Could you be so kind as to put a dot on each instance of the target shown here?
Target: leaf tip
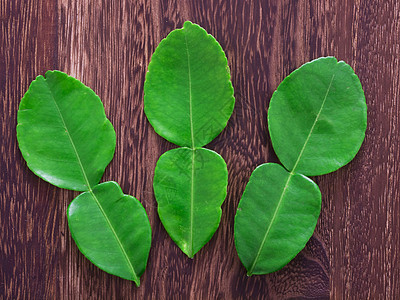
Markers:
(189, 252)
(137, 282)
(187, 23)
(50, 73)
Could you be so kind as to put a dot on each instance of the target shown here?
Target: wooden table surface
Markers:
(355, 250)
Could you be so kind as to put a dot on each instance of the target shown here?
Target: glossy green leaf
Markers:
(63, 132)
(188, 95)
(67, 140)
(275, 218)
(317, 121)
(317, 117)
(112, 230)
(188, 99)
(190, 187)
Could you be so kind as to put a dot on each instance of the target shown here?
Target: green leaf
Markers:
(317, 120)
(190, 187)
(188, 100)
(67, 140)
(63, 132)
(275, 218)
(112, 230)
(188, 95)
(317, 117)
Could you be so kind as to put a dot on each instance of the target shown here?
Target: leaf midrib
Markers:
(70, 138)
(190, 91)
(135, 277)
(313, 126)
(250, 271)
(190, 254)
(191, 206)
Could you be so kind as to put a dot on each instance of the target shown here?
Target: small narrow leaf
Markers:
(63, 132)
(190, 187)
(188, 95)
(275, 218)
(112, 230)
(317, 117)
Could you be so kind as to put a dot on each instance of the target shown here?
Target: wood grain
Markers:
(355, 251)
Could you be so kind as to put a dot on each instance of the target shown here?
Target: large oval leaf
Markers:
(63, 132)
(112, 230)
(275, 218)
(317, 117)
(188, 95)
(190, 187)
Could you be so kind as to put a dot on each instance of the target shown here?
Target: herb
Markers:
(67, 140)
(188, 100)
(317, 120)
(112, 230)
(63, 132)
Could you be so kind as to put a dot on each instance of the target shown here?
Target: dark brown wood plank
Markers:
(363, 197)
(355, 250)
(29, 213)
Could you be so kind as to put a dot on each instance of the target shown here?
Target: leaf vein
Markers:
(313, 126)
(192, 205)
(90, 188)
(135, 277)
(70, 138)
(193, 149)
(190, 91)
(269, 226)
